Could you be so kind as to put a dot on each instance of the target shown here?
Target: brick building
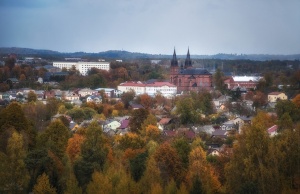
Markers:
(187, 78)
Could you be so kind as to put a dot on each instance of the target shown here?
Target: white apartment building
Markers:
(83, 67)
(166, 89)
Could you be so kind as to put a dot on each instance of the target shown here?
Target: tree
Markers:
(151, 177)
(254, 166)
(169, 163)
(74, 146)
(13, 115)
(127, 97)
(130, 140)
(152, 132)
(72, 185)
(218, 79)
(296, 101)
(145, 100)
(99, 184)
(15, 174)
(93, 155)
(183, 149)
(138, 116)
(138, 166)
(43, 186)
(32, 97)
(55, 138)
(201, 174)
(186, 110)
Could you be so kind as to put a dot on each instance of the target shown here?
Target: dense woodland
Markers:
(41, 155)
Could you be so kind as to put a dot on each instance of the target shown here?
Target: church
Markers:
(187, 78)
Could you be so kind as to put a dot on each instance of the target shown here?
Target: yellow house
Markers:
(274, 96)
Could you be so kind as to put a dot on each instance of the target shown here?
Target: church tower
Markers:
(174, 68)
(188, 62)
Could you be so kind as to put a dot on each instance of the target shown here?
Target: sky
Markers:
(206, 27)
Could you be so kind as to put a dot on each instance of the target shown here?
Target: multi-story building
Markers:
(83, 67)
(247, 82)
(187, 78)
(166, 89)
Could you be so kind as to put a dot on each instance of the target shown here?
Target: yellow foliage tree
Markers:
(200, 168)
(74, 146)
(43, 186)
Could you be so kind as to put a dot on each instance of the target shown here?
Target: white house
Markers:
(86, 92)
(83, 67)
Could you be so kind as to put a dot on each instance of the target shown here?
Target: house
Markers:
(275, 96)
(93, 98)
(163, 122)
(213, 152)
(219, 134)
(228, 125)
(272, 131)
(73, 126)
(220, 102)
(124, 127)
(70, 96)
(111, 125)
(135, 106)
(86, 92)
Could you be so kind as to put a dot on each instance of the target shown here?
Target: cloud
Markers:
(206, 26)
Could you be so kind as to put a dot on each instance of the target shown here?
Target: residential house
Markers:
(86, 92)
(70, 96)
(93, 98)
(163, 123)
(272, 131)
(73, 126)
(124, 127)
(220, 102)
(275, 96)
(219, 134)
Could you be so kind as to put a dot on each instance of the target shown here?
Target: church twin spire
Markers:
(187, 63)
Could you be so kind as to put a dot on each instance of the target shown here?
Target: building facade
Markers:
(247, 82)
(165, 89)
(83, 67)
(187, 78)
(275, 96)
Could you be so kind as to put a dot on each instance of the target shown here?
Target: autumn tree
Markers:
(152, 132)
(93, 155)
(151, 177)
(253, 167)
(130, 140)
(145, 100)
(138, 116)
(138, 165)
(186, 110)
(32, 97)
(183, 149)
(296, 101)
(169, 163)
(14, 174)
(200, 174)
(218, 79)
(127, 97)
(55, 138)
(74, 146)
(43, 185)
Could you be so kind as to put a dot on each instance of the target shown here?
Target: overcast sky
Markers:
(153, 26)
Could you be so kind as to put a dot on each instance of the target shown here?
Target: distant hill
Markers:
(117, 54)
